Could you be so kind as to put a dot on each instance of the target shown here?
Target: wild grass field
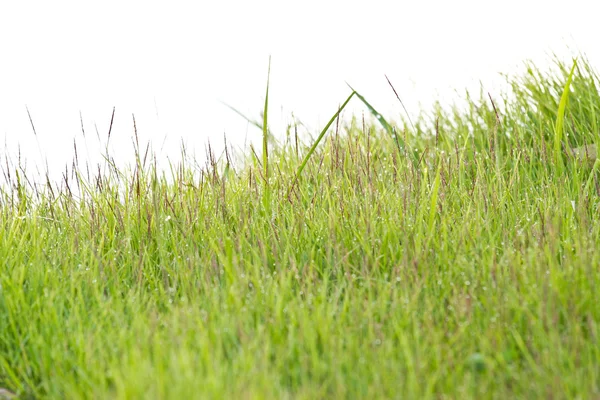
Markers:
(454, 257)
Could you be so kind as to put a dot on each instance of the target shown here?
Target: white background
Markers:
(171, 63)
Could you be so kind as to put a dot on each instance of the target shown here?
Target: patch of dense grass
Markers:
(458, 259)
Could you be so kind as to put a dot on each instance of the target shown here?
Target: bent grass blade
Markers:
(375, 113)
(383, 122)
(316, 143)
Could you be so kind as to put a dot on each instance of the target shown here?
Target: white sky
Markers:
(170, 63)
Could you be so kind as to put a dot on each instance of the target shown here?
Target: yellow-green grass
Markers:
(453, 258)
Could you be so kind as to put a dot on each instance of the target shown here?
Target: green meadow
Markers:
(453, 256)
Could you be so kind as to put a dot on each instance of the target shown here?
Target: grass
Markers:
(453, 258)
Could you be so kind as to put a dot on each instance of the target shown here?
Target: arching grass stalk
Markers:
(373, 111)
(560, 119)
(384, 123)
(376, 113)
(316, 143)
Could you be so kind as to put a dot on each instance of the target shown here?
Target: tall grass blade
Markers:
(265, 126)
(560, 118)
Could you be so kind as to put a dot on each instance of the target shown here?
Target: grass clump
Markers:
(455, 259)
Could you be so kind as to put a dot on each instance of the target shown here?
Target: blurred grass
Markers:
(464, 268)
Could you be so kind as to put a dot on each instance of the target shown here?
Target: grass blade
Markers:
(316, 143)
(264, 126)
(376, 113)
(595, 168)
(382, 121)
(560, 118)
(238, 112)
(434, 199)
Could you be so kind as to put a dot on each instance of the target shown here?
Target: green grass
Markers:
(453, 258)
